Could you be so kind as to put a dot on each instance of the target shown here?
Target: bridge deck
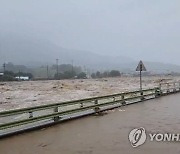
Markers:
(104, 134)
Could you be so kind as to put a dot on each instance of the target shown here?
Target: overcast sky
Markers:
(140, 29)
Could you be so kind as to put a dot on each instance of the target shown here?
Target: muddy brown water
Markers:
(106, 134)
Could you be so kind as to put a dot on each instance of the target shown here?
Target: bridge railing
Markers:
(168, 87)
(18, 119)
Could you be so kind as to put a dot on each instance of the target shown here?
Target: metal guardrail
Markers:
(19, 119)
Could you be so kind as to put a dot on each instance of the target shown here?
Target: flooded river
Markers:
(107, 134)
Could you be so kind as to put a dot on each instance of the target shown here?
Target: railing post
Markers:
(158, 92)
(57, 117)
(160, 89)
(160, 86)
(168, 91)
(174, 89)
(142, 96)
(30, 114)
(96, 109)
(82, 105)
(122, 99)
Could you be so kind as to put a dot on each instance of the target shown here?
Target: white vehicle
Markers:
(25, 78)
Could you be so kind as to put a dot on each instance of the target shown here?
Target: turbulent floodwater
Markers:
(30, 93)
(106, 134)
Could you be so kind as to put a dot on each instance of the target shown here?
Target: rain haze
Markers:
(128, 30)
(113, 65)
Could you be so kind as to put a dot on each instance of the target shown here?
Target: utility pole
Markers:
(47, 72)
(4, 66)
(72, 67)
(19, 74)
(57, 65)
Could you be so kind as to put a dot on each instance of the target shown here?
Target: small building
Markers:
(24, 78)
(1, 74)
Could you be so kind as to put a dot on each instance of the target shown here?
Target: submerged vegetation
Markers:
(13, 72)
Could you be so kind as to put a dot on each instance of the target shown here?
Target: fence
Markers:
(28, 118)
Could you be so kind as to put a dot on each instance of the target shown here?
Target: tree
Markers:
(93, 75)
(82, 75)
(8, 76)
(9, 73)
(114, 73)
(98, 74)
(105, 74)
(65, 75)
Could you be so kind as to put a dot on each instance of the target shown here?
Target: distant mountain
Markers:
(30, 51)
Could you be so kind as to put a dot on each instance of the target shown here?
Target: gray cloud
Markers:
(139, 29)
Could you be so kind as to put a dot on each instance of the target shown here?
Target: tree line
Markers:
(63, 71)
(11, 76)
(112, 73)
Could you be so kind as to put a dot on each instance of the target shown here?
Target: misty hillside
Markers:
(35, 52)
(32, 51)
